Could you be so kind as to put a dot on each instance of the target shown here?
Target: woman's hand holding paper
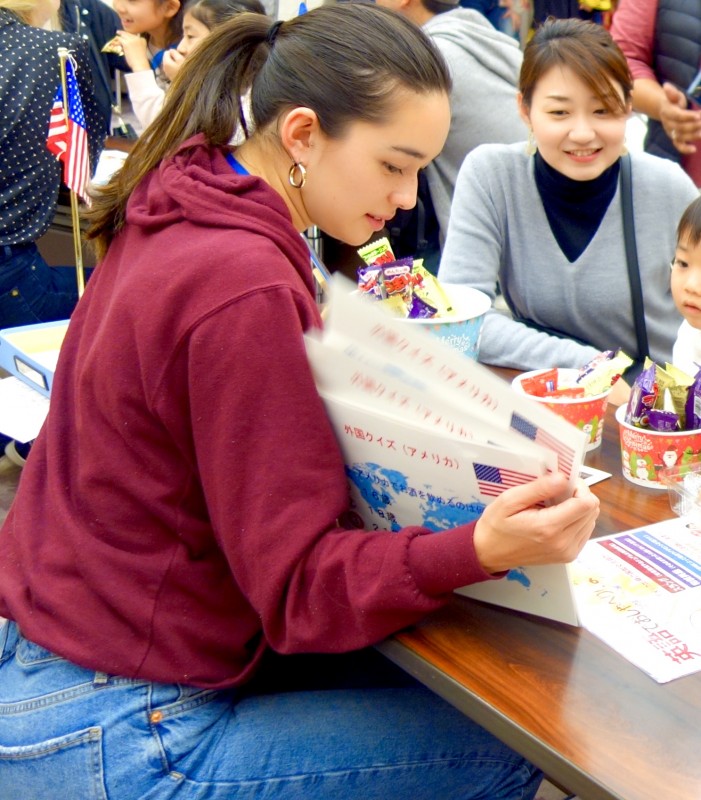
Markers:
(515, 530)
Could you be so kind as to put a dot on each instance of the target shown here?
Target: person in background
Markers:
(686, 290)
(662, 41)
(146, 591)
(149, 29)
(96, 23)
(30, 290)
(199, 18)
(544, 221)
(484, 66)
(518, 19)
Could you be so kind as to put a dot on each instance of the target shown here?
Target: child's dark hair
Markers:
(689, 227)
(588, 50)
(347, 62)
(213, 12)
(175, 26)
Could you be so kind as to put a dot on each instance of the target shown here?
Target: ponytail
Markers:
(205, 97)
(346, 62)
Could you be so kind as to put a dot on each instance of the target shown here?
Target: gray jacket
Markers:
(484, 65)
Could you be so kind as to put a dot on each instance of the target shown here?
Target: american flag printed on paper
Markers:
(68, 140)
(492, 481)
(565, 454)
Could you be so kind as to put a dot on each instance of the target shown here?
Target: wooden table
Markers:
(588, 718)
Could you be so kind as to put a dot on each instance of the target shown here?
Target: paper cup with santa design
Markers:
(645, 453)
(585, 413)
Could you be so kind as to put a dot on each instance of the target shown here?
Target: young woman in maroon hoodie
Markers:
(176, 522)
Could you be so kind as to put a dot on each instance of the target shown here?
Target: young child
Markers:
(199, 18)
(146, 90)
(149, 29)
(686, 289)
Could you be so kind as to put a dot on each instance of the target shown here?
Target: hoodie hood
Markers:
(197, 185)
(472, 32)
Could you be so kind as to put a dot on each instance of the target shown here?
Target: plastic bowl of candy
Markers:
(683, 483)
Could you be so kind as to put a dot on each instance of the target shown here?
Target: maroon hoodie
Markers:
(177, 513)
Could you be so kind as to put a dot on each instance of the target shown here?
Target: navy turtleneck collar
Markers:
(574, 208)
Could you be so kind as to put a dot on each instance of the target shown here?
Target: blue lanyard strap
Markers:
(237, 166)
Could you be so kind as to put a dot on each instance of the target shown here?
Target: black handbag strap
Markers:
(636, 289)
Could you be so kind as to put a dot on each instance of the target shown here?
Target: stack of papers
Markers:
(430, 437)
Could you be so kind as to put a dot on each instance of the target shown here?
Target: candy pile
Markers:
(665, 399)
(593, 378)
(403, 285)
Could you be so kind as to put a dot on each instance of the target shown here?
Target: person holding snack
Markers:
(544, 221)
(150, 29)
(147, 591)
(686, 290)
(96, 22)
(199, 17)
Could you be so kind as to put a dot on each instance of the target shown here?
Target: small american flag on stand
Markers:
(68, 138)
(492, 481)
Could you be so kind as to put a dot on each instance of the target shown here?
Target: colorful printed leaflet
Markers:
(640, 592)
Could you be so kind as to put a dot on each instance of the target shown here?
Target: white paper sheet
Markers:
(640, 592)
(22, 410)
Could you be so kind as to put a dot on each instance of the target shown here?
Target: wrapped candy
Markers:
(665, 399)
(404, 285)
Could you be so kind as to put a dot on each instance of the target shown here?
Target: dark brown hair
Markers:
(345, 62)
(588, 50)
(213, 12)
(175, 25)
(689, 226)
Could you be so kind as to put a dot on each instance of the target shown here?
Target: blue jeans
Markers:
(32, 291)
(71, 733)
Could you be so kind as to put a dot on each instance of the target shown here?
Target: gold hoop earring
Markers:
(531, 145)
(297, 176)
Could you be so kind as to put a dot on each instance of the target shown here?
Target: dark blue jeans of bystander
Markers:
(32, 291)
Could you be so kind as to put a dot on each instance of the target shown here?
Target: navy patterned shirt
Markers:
(30, 175)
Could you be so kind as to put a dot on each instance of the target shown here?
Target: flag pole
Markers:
(75, 218)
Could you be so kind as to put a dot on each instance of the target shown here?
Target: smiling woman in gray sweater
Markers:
(546, 228)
